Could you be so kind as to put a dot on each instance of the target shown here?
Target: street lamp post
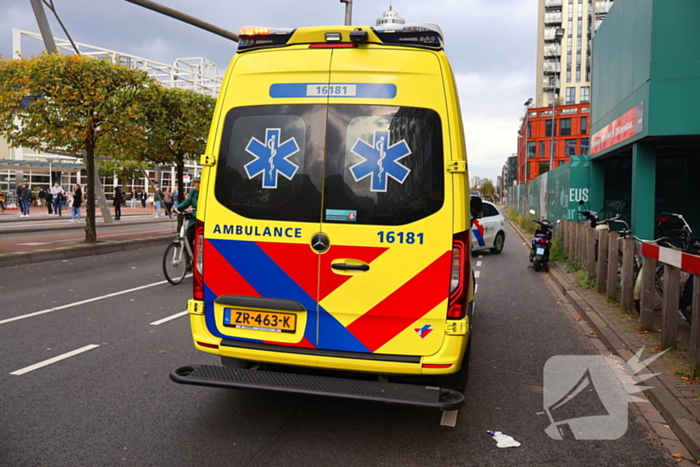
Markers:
(558, 35)
(348, 11)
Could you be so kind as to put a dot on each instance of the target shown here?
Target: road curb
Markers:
(71, 252)
(678, 418)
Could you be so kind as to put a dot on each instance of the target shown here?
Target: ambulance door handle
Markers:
(350, 267)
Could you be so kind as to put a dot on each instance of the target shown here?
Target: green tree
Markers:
(487, 188)
(176, 129)
(69, 103)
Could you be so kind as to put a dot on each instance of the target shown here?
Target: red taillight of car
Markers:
(459, 276)
(198, 271)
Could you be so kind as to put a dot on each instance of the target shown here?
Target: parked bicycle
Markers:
(177, 260)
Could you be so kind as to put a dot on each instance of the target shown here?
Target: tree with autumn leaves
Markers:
(88, 106)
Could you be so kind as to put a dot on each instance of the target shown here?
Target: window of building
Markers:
(571, 110)
(570, 29)
(578, 76)
(544, 167)
(542, 147)
(570, 95)
(548, 128)
(531, 148)
(580, 10)
(568, 76)
(585, 109)
(529, 129)
(565, 127)
(585, 94)
(570, 147)
(584, 146)
(584, 125)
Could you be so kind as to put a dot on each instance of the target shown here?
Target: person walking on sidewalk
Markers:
(144, 197)
(77, 201)
(2, 201)
(132, 201)
(25, 198)
(168, 201)
(157, 199)
(49, 202)
(42, 197)
(58, 193)
(19, 202)
(118, 203)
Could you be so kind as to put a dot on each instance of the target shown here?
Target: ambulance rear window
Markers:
(384, 165)
(271, 162)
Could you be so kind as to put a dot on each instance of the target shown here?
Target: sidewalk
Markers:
(673, 391)
(43, 237)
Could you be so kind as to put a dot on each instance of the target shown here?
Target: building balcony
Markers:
(551, 18)
(602, 6)
(553, 3)
(552, 51)
(550, 85)
(551, 67)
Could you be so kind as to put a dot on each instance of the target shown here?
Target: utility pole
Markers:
(348, 11)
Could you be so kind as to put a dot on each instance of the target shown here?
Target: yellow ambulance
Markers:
(332, 249)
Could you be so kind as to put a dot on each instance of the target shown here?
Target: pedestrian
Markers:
(117, 203)
(168, 201)
(19, 192)
(132, 201)
(2, 201)
(191, 202)
(176, 195)
(144, 197)
(42, 196)
(25, 198)
(157, 199)
(49, 202)
(77, 201)
(58, 194)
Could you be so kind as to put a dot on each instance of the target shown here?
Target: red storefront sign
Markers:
(631, 123)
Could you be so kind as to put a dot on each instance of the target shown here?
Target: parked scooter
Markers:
(541, 244)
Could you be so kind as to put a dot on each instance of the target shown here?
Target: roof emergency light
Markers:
(257, 36)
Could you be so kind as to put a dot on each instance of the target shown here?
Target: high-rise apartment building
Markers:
(564, 32)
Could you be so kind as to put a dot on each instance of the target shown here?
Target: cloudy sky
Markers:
(491, 45)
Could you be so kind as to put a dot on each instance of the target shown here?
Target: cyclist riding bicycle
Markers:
(191, 201)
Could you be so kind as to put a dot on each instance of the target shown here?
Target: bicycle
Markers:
(177, 260)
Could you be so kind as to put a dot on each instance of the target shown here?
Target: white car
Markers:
(489, 231)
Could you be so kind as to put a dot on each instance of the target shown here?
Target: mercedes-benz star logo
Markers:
(320, 242)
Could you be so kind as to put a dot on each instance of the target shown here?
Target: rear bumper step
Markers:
(395, 393)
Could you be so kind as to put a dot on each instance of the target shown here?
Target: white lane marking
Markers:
(89, 300)
(34, 243)
(449, 418)
(478, 264)
(476, 287)
(165, 320)
(54, 359)
(481, 256)
(125, 234)
(476, 274)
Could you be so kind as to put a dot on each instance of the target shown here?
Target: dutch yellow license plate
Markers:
(260, 320)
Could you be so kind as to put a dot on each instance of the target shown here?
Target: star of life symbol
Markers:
(271, 158)
(587, 396)
(380, 161)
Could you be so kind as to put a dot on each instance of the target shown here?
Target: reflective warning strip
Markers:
(405, 306)
(677, 258)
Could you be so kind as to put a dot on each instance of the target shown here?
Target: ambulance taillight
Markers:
(459, 277)
(198, 273)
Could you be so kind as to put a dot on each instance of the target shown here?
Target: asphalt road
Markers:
(113, 403)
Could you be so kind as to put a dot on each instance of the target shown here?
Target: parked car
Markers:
(489, 230)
